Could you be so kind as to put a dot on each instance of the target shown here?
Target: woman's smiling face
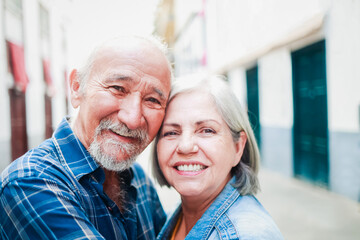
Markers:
(196, 150)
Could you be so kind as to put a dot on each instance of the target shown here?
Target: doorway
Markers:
(310, 131)
(252, 83)
(19, 142)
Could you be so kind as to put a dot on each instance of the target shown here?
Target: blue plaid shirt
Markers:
(55, 192)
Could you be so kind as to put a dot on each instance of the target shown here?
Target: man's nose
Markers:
(187, 144)
(130, 112)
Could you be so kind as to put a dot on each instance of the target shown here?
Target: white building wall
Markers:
(35, 102)
(58, 59)
(243, 31)
(343, 65)
(239, 28)
(275, 88)
(240, 34)
(237, 80)
(276, 110)
(343, 69)
(5, 129)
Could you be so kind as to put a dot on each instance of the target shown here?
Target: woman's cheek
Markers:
(165, 149)
(161, 152)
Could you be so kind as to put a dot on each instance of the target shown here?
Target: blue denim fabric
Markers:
(230, 216)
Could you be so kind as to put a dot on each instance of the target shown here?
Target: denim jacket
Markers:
(230, 216)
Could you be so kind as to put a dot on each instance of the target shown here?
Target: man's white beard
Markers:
(110, 161)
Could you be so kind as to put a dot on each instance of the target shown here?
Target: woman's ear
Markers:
(239, 147)
(75, 91)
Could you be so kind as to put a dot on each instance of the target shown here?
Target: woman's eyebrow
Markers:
(206, 121)
(171, 124)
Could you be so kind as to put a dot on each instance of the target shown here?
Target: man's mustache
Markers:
(121, 129)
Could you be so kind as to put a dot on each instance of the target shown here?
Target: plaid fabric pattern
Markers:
(55, 192)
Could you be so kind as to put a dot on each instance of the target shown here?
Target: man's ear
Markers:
(75, 89)
(239, 147)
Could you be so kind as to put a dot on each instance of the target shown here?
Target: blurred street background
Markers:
(304, 211)
(294, 65)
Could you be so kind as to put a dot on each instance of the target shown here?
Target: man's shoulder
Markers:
(35, 162)
(138, 171)
(141, 180)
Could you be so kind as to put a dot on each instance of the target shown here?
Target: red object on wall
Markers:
(17, 65)
(47, 75)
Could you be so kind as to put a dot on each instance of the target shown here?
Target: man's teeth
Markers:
(190, 168)
(122, 133)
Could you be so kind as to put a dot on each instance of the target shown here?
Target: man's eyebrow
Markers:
(161, 94)
(117, 77)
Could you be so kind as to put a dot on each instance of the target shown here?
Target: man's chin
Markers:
(114, 156)
(116, 164)
(110, 160)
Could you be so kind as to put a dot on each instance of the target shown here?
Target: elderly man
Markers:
(83, 182)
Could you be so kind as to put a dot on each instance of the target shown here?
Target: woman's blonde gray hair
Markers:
(237, 120)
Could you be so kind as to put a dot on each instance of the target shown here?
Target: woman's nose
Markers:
(187, 145)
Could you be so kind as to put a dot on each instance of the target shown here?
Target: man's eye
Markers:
(118, 88)
(153, 100)
(153, 103)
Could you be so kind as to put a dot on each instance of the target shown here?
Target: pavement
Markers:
(307, 212)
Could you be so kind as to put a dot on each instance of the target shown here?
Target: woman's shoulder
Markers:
(171, 221)
(251, 219)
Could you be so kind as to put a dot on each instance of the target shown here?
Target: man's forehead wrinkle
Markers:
(116, 62)
(126, 67)
(96, 76)
(112, 76)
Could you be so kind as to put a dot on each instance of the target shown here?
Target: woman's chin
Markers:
(189, 191)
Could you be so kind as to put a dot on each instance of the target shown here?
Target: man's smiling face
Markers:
(123, 102)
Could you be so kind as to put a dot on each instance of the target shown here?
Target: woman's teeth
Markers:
(190, 167)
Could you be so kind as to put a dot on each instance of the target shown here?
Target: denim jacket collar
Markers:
(208, 220)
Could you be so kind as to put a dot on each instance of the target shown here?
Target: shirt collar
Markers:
(72, 152)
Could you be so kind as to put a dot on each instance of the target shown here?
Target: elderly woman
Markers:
(206, 150)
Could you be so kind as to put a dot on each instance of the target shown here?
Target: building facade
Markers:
(295, 65)
(33, 71)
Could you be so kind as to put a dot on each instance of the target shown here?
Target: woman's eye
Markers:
(169, 133)
(207, 130)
